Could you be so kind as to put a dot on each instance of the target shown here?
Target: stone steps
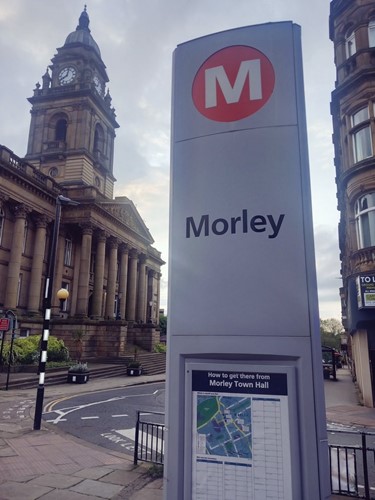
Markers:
(152, 363)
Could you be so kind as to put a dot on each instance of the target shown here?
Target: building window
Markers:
(98, 139)
(53, 172)
(19, 286)
(60, 131)
(361, 133)
(365, 220)
(25, 231)
(92, 266)
(371, 33)
(65, 303)
(2, 222)
(350, 47)
(24, 333)
(68, 251)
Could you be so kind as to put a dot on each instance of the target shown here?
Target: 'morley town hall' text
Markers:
(204, 226)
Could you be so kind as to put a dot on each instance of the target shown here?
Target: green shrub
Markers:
(156, 471)
(57, 350)
(160, 347)
(26, 350)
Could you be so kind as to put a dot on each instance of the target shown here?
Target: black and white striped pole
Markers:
(60, 200)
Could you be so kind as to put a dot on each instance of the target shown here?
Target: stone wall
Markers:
(99, 339)
(145, 336)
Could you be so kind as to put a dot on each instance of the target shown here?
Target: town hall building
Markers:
(105, 256)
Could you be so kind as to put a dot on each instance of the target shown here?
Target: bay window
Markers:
(361, 133)
(365, 220)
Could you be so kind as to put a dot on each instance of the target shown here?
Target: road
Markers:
(106, 418)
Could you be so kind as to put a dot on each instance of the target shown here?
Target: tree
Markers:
(330, 330)
(163, 324)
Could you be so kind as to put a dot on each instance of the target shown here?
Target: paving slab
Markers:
(97, 488)
(67, 495)
(148, 493)
(94, 472)
(59, 481)
(22, 491)
(121, 477)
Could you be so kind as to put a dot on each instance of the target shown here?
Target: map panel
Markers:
(224, 426)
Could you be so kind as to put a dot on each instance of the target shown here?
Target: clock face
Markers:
(98, 85)
(67, 75)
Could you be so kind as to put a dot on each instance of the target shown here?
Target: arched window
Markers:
(99, 139)
(60, 130)
(371, 33)
(365, 220)
(350, 46)
(2, 222)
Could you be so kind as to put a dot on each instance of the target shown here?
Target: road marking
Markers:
(153, 443)
(88, 418)
(128, 433)
(116, 416)
(114, 438)
(70, 409)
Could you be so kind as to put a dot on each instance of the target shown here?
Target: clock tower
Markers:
(73, 123)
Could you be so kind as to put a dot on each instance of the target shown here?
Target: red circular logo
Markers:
(233, 83)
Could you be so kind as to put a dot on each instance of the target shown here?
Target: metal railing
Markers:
(149, 439)
(352, 466)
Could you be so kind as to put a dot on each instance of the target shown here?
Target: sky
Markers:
(137, 39)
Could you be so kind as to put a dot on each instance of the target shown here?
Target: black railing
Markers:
(149, 438)
(352, 466)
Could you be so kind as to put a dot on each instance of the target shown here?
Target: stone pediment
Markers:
(125, 211)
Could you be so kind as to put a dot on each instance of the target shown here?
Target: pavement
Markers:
(51, 465)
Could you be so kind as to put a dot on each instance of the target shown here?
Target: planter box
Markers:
(134, 372)
(78, 378)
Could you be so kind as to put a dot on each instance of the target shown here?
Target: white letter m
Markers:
(233, 94)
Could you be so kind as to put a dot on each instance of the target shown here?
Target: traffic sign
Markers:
(4, 324)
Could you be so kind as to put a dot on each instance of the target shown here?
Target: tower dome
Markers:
(82, 34)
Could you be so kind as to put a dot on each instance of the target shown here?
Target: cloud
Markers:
(328, 271)
(137, 40)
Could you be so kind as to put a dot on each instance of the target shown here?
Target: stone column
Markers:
(141, 301)
(132, 285)
(150, 296)
(158, 278)
(84, 272)
(111, 281)
(37, 265)
(97, 299)
(123, 279)
(14, 265)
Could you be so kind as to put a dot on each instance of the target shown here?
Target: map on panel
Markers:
(224, 426)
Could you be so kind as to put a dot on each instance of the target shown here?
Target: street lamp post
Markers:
(60, 200)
